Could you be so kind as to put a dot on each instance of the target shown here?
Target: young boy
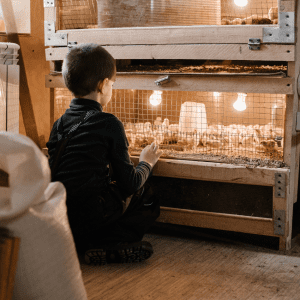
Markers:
(108, 218)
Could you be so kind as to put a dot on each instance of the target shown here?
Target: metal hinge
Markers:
(254, 44)
(49, 3)
(279, 222)
(163, 80)
(280, 185)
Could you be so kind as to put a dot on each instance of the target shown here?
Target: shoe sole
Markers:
(129, 254)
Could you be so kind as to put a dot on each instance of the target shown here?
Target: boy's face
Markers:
(106, 94)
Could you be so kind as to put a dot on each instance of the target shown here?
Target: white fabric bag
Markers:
(35, 210)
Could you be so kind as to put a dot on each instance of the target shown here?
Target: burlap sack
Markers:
(35, 210)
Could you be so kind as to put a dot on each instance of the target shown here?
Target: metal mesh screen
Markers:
(198, 125)
(77, 14)
(82, 14)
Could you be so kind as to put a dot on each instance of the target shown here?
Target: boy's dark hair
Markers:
(85, 66)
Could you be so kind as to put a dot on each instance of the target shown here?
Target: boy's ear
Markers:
(101, 85)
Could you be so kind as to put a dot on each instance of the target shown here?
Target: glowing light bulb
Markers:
(155, 98)
(240, 103)
(241, 3)
(217, 94)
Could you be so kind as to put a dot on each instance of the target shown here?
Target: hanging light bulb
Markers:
(155, 98)
(241, 3)
(240, 103)
(216, 94)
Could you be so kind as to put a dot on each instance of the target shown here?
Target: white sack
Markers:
(35, 210)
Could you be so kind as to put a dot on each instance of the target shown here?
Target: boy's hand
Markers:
(150, 154)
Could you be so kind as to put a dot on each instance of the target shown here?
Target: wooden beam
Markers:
(253, 225)
(205, 34)
(219, 172)
(204, 83)
(296, 73)
(291, 195)
(200, 51)
(34, 96)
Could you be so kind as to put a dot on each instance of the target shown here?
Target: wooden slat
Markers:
(288, 132)
(233, 84)
(226, 34)
(214, 171)
(12, 267)
(296, 74)
(292, 147)
(201, 51)
(253, 225)
(6, 248)
(250, 84)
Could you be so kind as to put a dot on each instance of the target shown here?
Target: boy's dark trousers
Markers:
(97, 219)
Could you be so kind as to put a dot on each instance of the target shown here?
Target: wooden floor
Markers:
(192, 263)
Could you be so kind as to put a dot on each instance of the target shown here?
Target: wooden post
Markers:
(34, 96)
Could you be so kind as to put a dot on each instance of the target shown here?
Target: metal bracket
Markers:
(279, 222)
(56, 39)
(254, 44)
(284, 33)
(70, 44)
(49, 3)
(49, 27)
(279, 185)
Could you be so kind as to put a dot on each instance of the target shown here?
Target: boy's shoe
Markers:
(120, 253)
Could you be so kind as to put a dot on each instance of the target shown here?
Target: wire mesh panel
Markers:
(199, 125)
(82, 14)
(77, 14)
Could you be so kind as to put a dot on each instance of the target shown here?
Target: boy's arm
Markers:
(128, 177)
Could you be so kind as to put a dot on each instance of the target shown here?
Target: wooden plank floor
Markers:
(191, 264)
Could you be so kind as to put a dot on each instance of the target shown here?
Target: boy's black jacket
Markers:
(98, 142)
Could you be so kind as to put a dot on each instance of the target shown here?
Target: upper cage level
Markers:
(74, 14)
(245, 25)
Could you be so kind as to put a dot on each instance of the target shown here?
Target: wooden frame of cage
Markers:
(218, 43)
(193, 37)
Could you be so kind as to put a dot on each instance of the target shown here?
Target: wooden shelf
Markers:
(203, 34)
(233, 84)
(220, 172)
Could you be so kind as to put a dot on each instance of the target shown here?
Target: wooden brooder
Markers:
(276, 42)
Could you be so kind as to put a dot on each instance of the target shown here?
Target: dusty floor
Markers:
(191, 264)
